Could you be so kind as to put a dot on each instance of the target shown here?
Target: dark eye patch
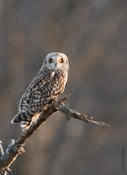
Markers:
(51, 60)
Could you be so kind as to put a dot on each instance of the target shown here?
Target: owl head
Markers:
(56, 60)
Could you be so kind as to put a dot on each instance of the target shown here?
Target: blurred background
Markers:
(93, 35)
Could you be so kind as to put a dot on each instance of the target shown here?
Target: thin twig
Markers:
(84, 117)
(1, 154)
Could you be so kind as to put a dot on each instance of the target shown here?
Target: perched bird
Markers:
(45, 88)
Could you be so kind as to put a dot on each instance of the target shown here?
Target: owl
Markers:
(45, 88)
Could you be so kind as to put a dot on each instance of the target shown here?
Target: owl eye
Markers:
(61, 60)
(51, 60)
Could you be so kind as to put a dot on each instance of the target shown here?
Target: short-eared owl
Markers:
(48, 84)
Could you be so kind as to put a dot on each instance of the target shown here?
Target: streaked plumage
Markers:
(48, 84)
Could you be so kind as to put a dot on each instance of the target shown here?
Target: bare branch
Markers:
(16, 148)
(84, 117)
(1, 154)
(1, 149)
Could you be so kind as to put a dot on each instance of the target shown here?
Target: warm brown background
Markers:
(93, 33)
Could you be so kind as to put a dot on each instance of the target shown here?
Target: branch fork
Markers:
(16, 147)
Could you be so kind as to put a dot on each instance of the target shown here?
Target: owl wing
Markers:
(33, 92)
(48, 91)
(44, 88)
(41, 78)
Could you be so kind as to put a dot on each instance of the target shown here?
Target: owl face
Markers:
(57, 60)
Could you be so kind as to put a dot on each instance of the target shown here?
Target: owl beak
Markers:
(56, 65)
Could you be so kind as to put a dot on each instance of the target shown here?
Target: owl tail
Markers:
(23, 116)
